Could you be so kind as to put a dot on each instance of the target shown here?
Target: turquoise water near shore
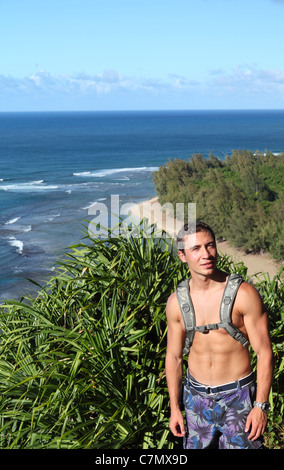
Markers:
(53, 166)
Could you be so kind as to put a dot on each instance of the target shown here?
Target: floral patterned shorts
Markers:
(217, 420)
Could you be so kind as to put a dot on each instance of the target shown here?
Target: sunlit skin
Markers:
(216, 358)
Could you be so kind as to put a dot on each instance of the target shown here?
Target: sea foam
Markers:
(18, 244)
(28, 186)
(12, 221)
(111, 171)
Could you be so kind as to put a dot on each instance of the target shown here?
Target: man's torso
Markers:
(215, 357)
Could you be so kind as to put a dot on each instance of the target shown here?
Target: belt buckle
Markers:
(212, 390)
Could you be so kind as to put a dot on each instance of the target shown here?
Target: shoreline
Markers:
(257, 264)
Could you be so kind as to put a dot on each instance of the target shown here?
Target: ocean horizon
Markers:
(55, 165)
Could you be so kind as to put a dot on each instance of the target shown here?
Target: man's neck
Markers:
(201, 282)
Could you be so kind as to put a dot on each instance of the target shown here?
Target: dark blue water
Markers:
(53, 166)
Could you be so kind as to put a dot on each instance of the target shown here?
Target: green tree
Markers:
(241, 197)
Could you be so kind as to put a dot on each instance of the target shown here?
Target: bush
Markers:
(241, 197)
(82, 364)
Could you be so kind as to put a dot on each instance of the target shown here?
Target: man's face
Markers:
(200, 253)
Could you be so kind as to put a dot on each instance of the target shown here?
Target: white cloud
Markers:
(108, 79)
(47, 83)
(106, 82)
(246, 85)
(181, 81)
(247, 80)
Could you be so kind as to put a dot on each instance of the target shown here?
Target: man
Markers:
(222, 406)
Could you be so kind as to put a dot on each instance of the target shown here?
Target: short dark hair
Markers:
(190, 228)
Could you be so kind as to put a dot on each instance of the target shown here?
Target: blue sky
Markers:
(134, 54)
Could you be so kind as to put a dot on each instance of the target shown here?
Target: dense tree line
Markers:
(241, 196)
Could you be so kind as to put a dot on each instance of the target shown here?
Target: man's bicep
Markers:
(175, 333)
(258, 333)
(256, 320)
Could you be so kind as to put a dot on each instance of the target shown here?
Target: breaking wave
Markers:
(112, 171)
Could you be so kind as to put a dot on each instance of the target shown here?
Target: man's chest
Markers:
(207, 308)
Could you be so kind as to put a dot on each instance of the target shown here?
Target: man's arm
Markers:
(256, 323)
(175, 340)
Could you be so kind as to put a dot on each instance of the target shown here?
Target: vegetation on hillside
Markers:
(82, 364)
(241, 197)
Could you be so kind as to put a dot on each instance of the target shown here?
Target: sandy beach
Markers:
(257, 264)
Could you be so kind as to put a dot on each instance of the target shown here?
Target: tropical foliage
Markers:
(82, 363)
(241, 197)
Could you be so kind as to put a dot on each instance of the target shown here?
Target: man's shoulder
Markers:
(172, 299)
(172, 307)
(247, 297)
(246, 288)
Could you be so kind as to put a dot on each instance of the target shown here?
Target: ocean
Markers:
(54, 166)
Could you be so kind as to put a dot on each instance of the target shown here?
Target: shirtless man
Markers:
(230, 416)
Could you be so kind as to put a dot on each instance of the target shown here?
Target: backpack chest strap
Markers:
(205, 328)
(228, 326)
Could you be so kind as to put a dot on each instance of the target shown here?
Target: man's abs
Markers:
(217, 360)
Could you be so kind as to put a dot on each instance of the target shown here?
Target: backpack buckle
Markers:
(185, 308)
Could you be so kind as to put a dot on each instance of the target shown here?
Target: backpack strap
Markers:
(187, 311)
(229, 294)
